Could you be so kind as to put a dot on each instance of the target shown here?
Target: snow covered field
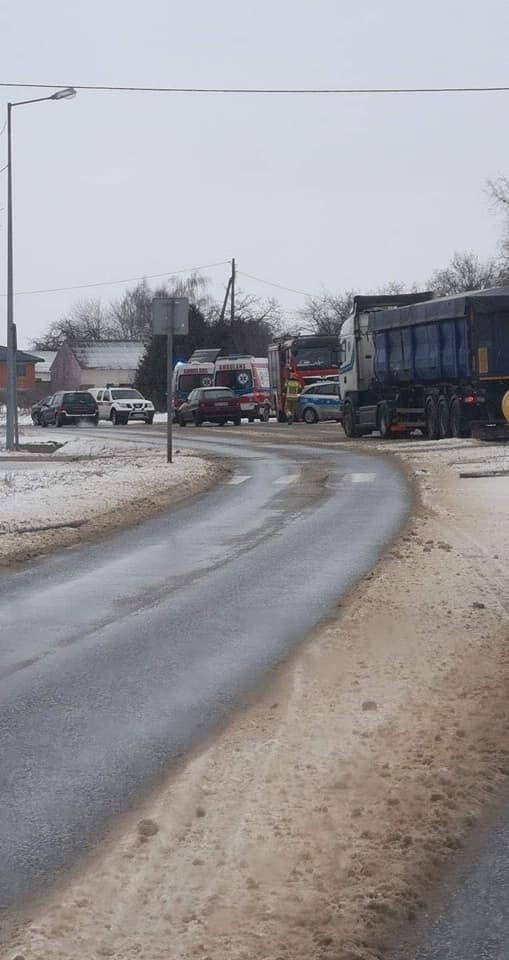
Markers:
(47, 498)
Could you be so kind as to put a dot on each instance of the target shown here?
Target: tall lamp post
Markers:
(12, 408)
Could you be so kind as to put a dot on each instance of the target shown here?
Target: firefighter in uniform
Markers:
(292, 391)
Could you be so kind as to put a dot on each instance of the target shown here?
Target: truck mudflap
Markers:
(497, 430)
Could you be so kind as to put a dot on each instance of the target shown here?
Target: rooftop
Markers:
(21, 357)
(108, 354)
(46, 359)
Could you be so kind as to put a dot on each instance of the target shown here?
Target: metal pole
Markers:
(232, 302)
(11, 345)
(15, 347)
(169, 391)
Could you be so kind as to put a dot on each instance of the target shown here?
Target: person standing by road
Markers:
(293, 389)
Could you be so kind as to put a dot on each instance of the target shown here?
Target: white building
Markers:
(83, 364)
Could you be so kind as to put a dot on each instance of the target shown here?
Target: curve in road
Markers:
(117, 657)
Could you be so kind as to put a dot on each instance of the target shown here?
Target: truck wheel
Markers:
(458, 426)
(431, 417)
(444, 425)
(349, 424)
(384, 421)
(309, 415)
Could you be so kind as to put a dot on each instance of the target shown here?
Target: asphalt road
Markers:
(117, 657)
(469, 916)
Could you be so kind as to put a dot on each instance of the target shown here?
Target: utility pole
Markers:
(11, 348)
(225, 301)
(232, 301)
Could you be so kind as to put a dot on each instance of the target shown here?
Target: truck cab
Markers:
(356, 367)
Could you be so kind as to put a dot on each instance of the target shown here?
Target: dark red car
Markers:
(215, 404)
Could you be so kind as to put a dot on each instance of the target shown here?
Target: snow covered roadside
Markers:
(86, 488)
(314, 826)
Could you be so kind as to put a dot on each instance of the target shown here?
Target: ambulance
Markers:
(198, 371)
(248, 377)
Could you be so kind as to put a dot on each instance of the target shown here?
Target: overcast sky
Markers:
(311, 192)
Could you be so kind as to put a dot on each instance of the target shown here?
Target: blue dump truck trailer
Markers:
(440, 365)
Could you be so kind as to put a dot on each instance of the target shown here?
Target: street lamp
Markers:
(12, 407)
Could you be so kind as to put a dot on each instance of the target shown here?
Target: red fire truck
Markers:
(305, 359)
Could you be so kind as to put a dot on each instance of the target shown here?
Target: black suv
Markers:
(68, 407)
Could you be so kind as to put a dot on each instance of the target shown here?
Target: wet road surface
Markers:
(117, 657)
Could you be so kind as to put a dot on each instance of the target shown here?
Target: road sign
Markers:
(170, 315)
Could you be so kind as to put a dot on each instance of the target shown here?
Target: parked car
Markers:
(320, 401)
(35, 411)
(121, 404)
(69, 407)
(215, 404)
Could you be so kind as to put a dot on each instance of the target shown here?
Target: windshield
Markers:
(189, 381)
(126, 395)
(308, 357)
(263, 376)
(217, 394)
(236, 379)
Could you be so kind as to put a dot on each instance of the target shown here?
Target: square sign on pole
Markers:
(170, 316)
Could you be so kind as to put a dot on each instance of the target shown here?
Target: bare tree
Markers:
(86, 320)
(131, 313)
(498, 191)
(327, 314)
(465, 272)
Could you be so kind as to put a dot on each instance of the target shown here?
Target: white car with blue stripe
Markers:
(320, 401)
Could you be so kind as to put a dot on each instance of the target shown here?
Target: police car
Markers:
(320, 401)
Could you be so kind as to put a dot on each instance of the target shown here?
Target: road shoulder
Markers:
(317, 823)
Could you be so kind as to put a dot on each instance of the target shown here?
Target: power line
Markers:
(263, 91)
(111, 283)
(280, 286)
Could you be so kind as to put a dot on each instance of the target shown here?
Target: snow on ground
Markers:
(84, 480)
(313, 827)
(461, 455)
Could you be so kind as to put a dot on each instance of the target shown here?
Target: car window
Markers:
(126, 394)
(193, 394)
(106, 395)
(99, 394)
(218, 394)
(76, 395)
